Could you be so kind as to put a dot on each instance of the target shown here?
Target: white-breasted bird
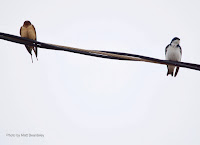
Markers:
(173, 52)
(28, 31)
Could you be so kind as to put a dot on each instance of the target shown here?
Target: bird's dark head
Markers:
(175, 41)
(27, 23)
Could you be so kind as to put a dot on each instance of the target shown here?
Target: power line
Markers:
(97, 53)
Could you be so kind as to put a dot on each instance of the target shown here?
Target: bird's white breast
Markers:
(173, 53)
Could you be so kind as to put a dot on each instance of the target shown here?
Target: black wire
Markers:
(21, 40)
(181, 64)
(30, 42)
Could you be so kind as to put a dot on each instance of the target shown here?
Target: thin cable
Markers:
(96, 53)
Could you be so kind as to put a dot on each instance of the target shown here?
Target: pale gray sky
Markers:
(75, 99)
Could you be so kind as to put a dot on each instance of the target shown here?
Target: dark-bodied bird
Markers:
(173, 52)
(28, 31)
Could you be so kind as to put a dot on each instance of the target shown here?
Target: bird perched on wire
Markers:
(28, 31)
(173, 52)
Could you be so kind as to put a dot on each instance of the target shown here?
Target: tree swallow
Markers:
(28, 31)
(173, 52)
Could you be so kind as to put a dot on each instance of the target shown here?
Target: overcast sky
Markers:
(81, 100)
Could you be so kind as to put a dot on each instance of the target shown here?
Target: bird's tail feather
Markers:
(28, 49)
(177, 69)
(36, 53)
(168, 72)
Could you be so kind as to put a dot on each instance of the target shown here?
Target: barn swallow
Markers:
(173, 52)
(28, 31)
